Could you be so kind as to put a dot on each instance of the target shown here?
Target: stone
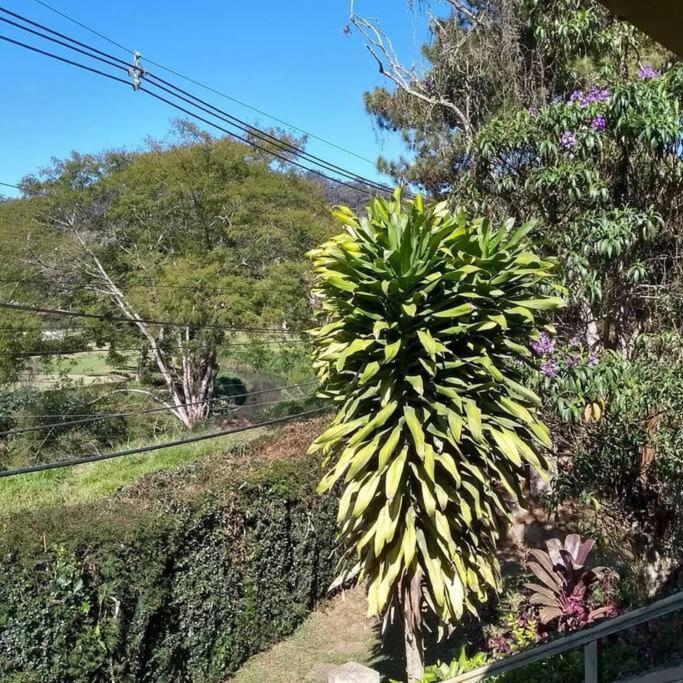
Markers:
(320, 673)
(352, 672)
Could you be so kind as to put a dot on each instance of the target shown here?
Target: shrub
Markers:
(180, 578)
(567, 592)
(426, 320)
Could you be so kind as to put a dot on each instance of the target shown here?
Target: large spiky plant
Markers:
(428, 318)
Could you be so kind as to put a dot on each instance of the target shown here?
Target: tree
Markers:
(427, 317)
(584, 137)
(196, 230)
(484, 58)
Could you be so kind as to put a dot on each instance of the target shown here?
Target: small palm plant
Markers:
(428, 317)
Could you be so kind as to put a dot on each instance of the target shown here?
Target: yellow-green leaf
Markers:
(473, 420)
(415, 429)
(370, 370)
(455, 312)
(389, 446)
(416, 383)
(390, 350)
(428, 342)
(394, 474)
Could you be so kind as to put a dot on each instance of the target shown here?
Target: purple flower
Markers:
(575, 341)
(597, 95)
(593, 359)
(598, 123)
(571, 361)
(568, 139)
(549, 368)
(533, 112)
(594, 96)
(544, 345)
(646, 72)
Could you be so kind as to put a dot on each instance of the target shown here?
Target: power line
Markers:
(233, 396)
(201, 286)
(155, 447)
(115, 62)
(64, 59)
(99, 417)
(197, 116)
(207, 87)
(220, 347)
(147, 321)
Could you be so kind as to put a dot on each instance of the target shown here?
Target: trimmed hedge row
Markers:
(180, 579)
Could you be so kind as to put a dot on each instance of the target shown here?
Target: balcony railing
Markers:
(588, 639)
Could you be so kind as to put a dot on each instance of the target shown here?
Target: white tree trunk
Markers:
(190, 393)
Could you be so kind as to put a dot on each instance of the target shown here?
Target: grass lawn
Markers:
(92, 481)
(91, 362)
(337, 632)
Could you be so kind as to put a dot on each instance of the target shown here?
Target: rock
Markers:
(320, 673)
(352, 672)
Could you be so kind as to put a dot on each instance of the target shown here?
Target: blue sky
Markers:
(290, 59)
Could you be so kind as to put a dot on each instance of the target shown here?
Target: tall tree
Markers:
(201, 231)
(427, 317)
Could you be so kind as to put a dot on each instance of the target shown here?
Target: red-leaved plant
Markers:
(567, 589)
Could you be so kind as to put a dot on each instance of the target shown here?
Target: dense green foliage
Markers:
(198, 231)
(180, 578)
(557, 111)
(427, 317)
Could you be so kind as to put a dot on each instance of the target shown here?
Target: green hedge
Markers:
(180, 579)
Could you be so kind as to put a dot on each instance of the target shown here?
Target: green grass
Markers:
(93, 481)
(88, 362)
(335, 633)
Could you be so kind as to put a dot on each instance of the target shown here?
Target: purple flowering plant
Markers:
(595, 95)
(544, 345)
(550, 367)
(647, 72)
(568, 139)
(598, 123)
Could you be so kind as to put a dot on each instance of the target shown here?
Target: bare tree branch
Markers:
(406, 79)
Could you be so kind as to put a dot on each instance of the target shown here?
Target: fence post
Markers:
(591, 662)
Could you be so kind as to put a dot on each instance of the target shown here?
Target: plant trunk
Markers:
(412, 627)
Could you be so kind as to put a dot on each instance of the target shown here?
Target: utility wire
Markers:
(155, 447)
(245, 127)
(137, 412)
(64, 59)
(48, 354)
(207, 87)
(95, 417)
(193, 115)
(113, 318)
(200, 286)
(104, 417)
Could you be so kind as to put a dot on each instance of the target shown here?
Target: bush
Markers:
(180, 578)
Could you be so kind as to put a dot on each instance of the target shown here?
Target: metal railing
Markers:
(587, 639)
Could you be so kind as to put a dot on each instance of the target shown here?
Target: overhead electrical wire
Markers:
(207, 87)
(97, 457)
(231, 408)
(99, 417)
(200, 286)
(135, 409)
(233, 396)
(243, 126)
(115, 62)
(139, 349)
(161, 323)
